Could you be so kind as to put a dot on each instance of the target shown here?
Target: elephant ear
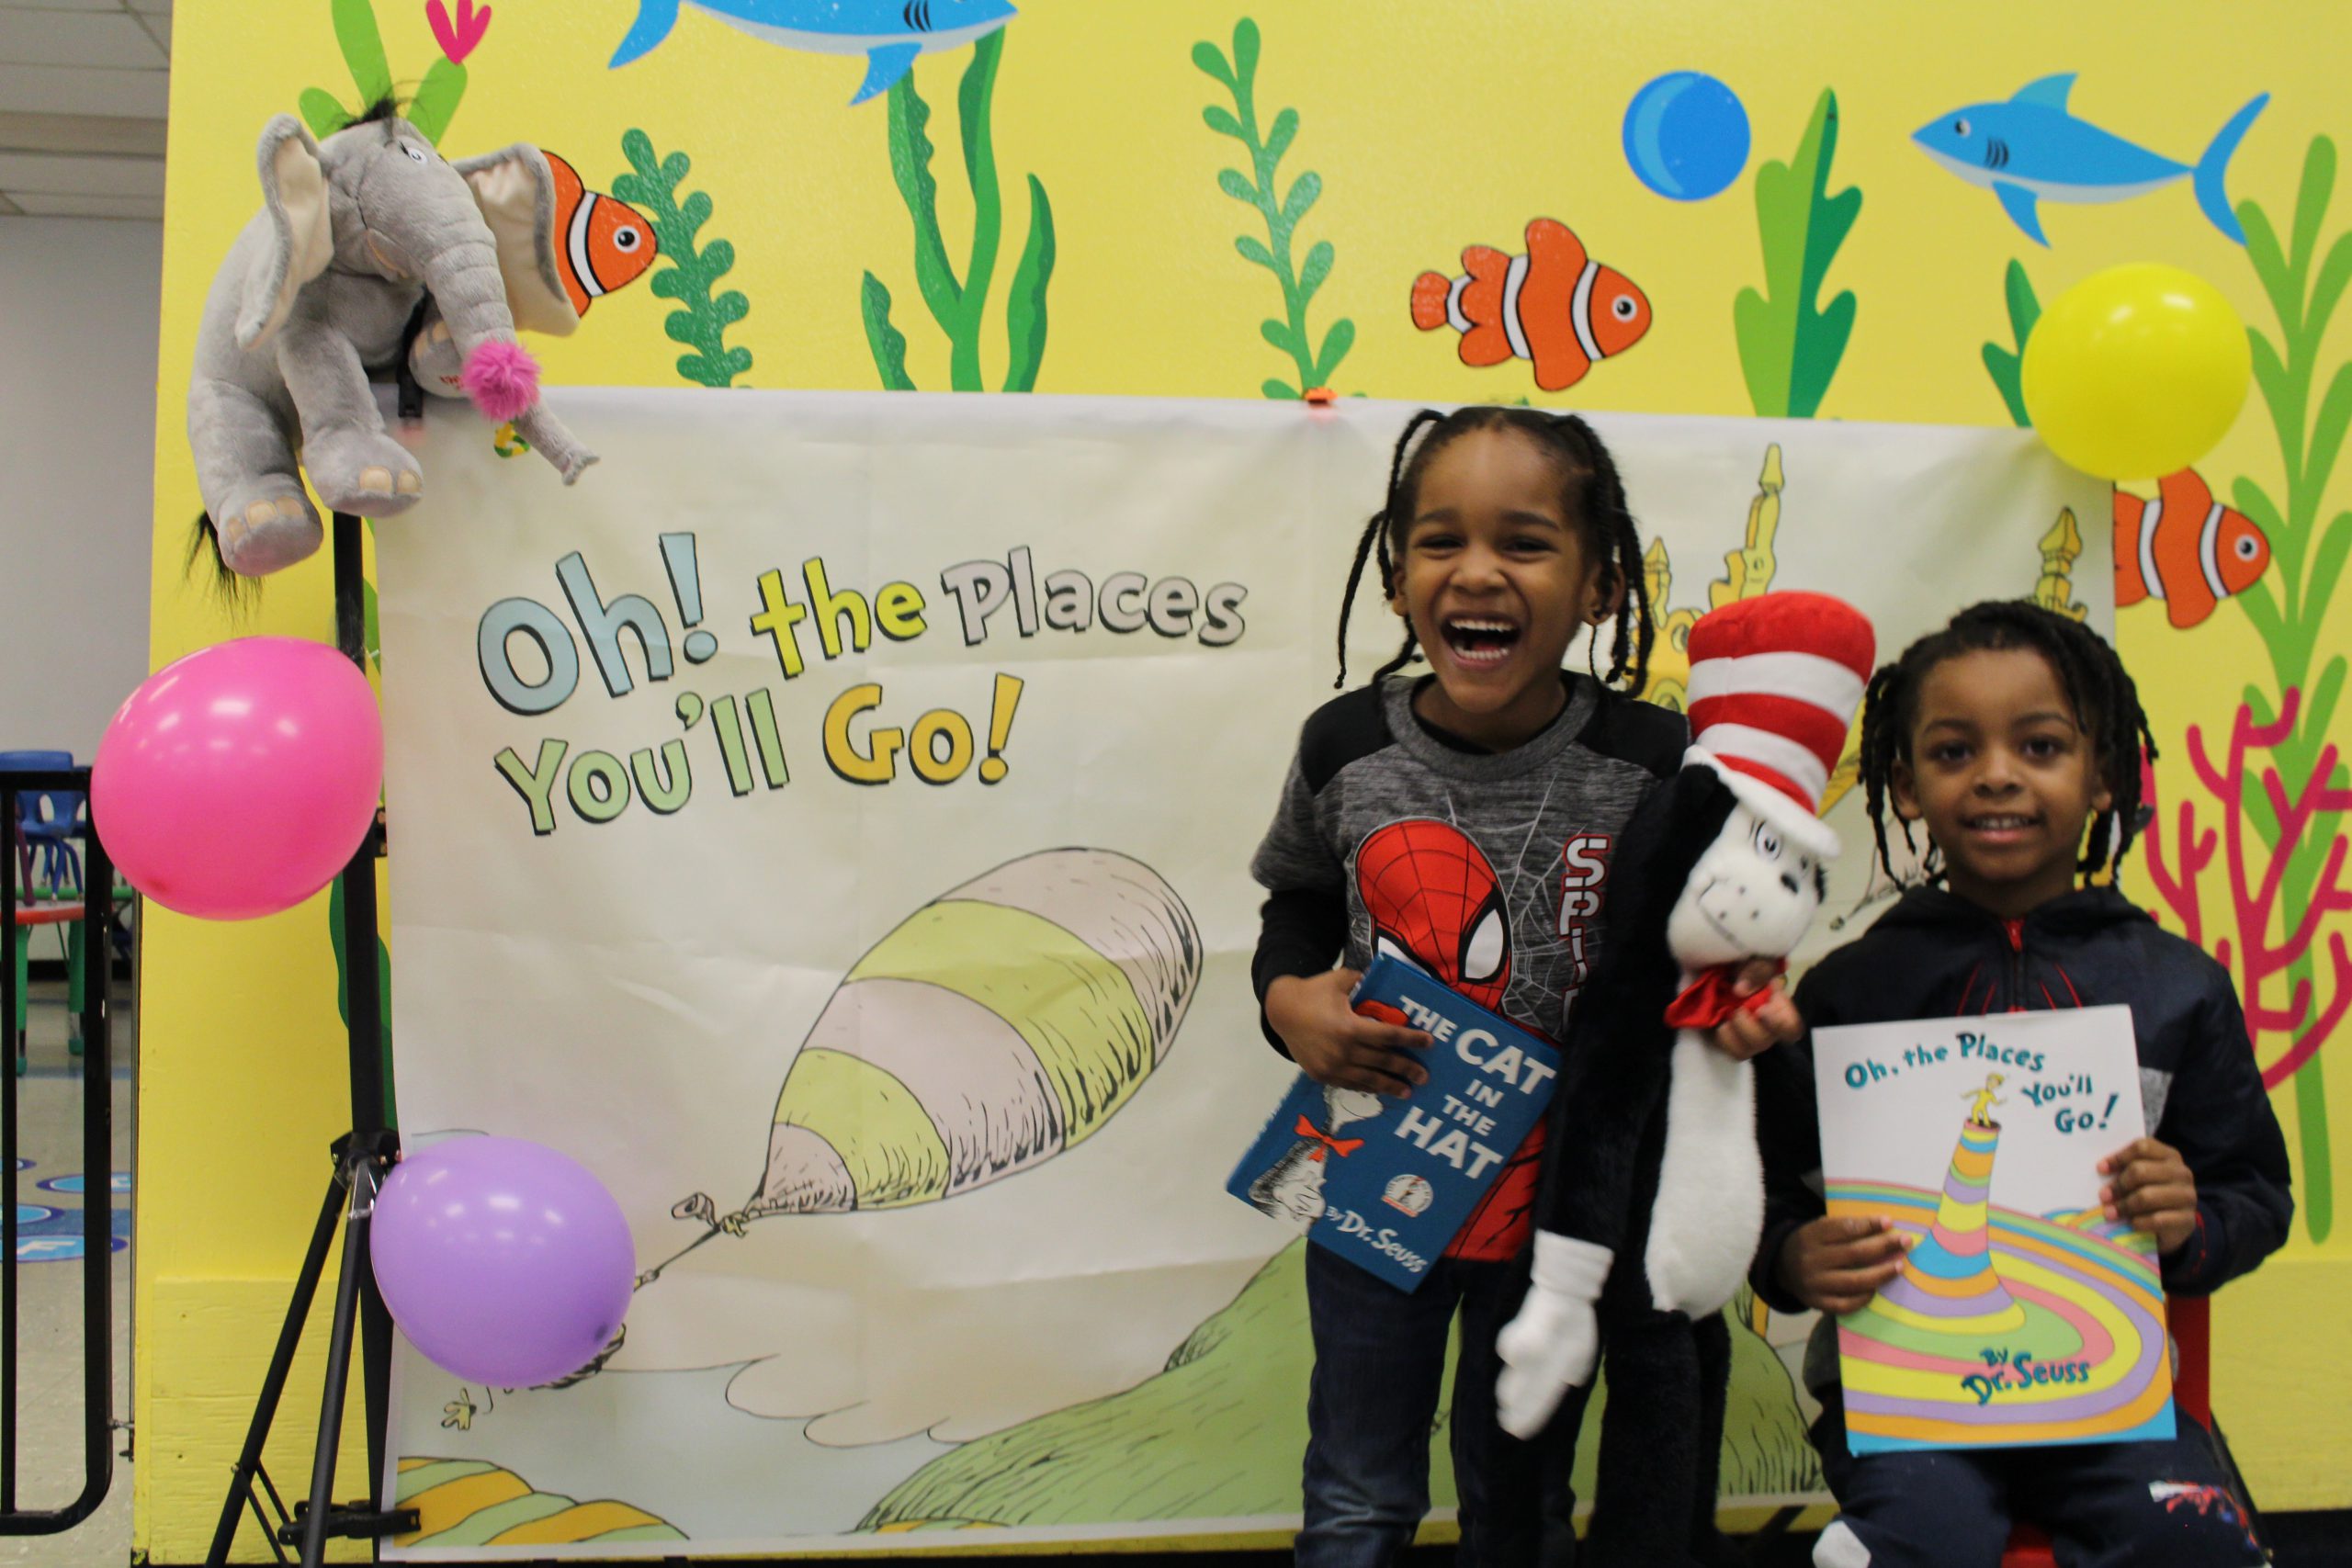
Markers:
(515, 190)
(302, 237)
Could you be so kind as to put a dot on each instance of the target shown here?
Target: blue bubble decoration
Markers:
(1686, 136)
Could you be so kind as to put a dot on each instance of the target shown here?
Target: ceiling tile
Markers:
(37, 206)
(61, 6)
(90, 134)
(8, 208)
(75, 37)
(50, 175)
(59, 89)
(152, 7)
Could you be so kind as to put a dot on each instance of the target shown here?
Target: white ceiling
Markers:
(82, 107)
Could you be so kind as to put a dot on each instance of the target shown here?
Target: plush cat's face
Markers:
(1752, 895)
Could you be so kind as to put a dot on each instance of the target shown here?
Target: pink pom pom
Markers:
(502, 378)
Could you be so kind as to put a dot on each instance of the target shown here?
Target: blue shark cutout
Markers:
(2031, 150)
(889, 33)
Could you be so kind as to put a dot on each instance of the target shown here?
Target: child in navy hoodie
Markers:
(2006, 735)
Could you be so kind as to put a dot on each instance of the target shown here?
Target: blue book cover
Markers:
(1386, 1182)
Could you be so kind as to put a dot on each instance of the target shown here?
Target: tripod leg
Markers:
(281, 1362)
(347, 1311)
(376, 1370)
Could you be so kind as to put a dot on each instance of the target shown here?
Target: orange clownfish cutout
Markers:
(1555, 306)
(2185, 548)
(601, 243)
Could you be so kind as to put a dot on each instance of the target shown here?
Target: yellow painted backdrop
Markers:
(1430, 125)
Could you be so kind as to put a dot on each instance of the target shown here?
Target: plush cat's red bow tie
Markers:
(1708, 1001)
(1343, 1147)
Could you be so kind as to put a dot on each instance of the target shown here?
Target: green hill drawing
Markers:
(1219, 1433)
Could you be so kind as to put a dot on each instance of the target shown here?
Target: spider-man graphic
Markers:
(1436, 903)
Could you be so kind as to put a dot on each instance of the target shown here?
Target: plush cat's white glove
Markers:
(1551, 1346)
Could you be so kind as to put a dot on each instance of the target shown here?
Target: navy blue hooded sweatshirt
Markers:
(1935, 954)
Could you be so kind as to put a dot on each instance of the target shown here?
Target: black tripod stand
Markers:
(361, 1157)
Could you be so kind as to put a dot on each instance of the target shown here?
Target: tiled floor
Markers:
(50, 1355)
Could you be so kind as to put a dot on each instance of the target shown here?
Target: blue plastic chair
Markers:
(47, 823)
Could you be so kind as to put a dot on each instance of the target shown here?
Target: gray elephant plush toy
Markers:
(319, 289)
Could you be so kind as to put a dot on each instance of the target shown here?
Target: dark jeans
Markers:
(2151, 1504)
(1371, 1408)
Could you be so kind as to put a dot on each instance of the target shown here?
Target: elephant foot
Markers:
(436, 363)
(369, 474)
(263, 535)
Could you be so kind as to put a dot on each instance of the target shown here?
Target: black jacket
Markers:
(1935, 954)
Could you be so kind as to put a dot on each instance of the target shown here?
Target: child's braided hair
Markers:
(2106, 703)
(1595, 502)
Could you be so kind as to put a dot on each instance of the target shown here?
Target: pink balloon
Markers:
(501, 1260)
(238, 780)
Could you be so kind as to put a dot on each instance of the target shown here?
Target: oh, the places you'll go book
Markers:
(1386, 1182)
(2022, 1315)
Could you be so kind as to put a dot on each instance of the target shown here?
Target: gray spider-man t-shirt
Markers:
(1486, 870)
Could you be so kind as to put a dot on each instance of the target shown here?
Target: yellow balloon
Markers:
(2136, 372)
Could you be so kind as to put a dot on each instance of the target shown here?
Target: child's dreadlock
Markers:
(2106, 703)
(1595, 502)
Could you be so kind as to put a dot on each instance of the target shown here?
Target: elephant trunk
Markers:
(498, 373)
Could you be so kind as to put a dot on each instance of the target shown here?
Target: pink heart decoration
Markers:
(459, 39)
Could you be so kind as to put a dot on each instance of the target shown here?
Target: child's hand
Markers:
(1334, 1045)
(1837, 1263)
(1751, 1032)
(2152, 1188)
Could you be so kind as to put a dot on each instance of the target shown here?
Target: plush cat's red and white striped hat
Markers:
(1774, 685)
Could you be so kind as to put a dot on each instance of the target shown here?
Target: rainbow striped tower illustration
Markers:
(2030, 1320)
(1948, 1285)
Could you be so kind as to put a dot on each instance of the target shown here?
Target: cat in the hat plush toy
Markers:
(1653, 1197)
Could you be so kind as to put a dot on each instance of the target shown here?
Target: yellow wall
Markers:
(1431, 126)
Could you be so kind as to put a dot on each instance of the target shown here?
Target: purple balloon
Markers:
(503, 1261)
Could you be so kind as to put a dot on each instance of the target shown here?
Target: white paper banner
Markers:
(1003, 689)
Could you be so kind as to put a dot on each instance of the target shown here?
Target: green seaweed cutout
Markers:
(2289, 606)
(323, 112)
(1024, 306)
(2006, 365)
(1290, 335)
(689, 273)
(362, 44)
(1789, 348)
(363, 50)
(887, 343)
(959, 307)
(437, 98)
